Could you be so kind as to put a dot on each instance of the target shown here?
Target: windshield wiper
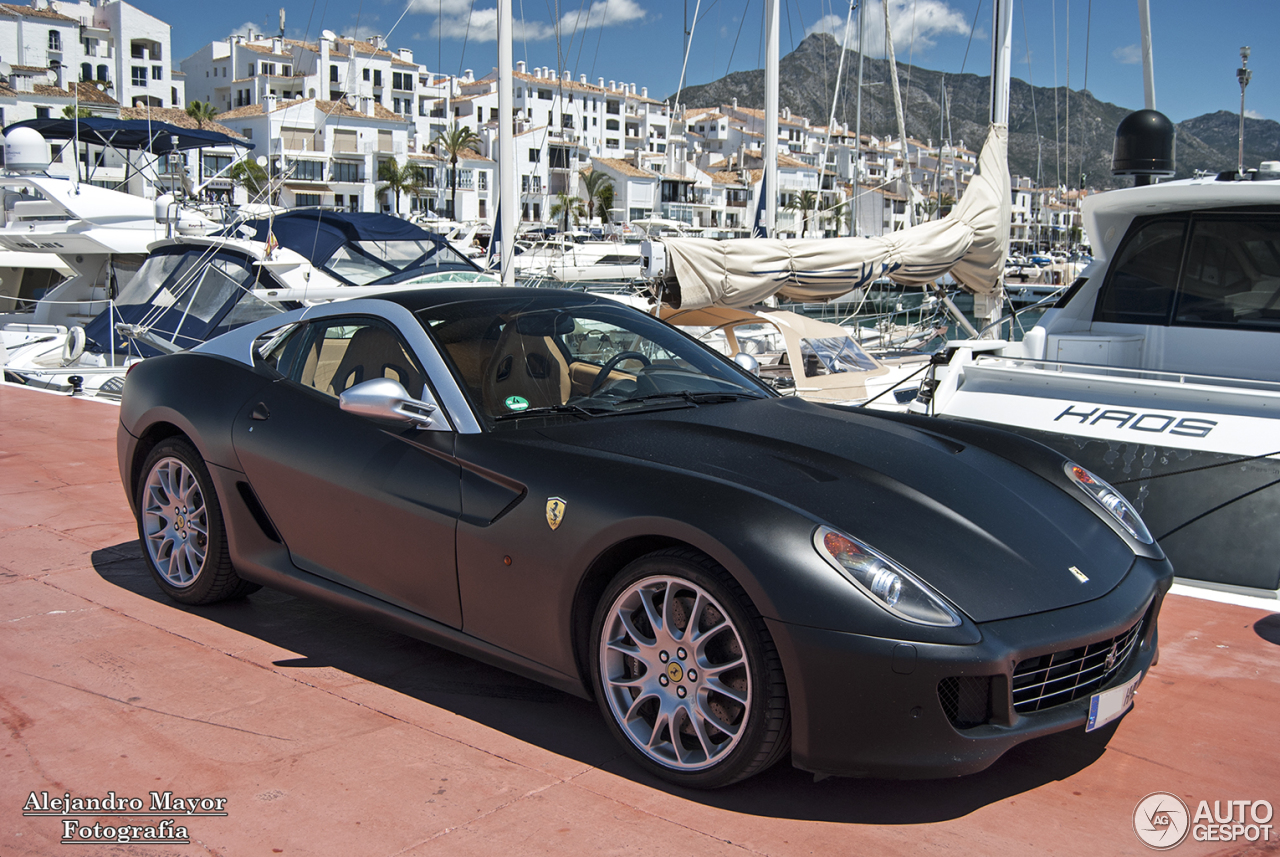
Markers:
(703, 398)
(571, 410)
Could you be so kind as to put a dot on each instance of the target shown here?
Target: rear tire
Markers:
(181, 529)
(686, 673)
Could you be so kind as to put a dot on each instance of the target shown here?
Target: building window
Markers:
(157, 72)
(346, 171)
(366, 73)
(377, 77)
(286, 71)
(535, 155)
(483, 212)
(544, 94)
(333, 74)
(306, 200)
(90, 47)
(102, 73)
(139, 75)
(311, 171)
(482, 180)
(252, 70)
(465, 179)
(42, 112)
(55, 40)
(86, 71)
(611, 124)
(611, 107)
(566, 121)
(269, 68)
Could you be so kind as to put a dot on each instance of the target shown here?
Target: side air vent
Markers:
(259, 514)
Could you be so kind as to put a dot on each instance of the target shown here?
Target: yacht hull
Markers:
(1214, 513)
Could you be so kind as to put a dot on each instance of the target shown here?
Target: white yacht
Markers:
(1159, 369)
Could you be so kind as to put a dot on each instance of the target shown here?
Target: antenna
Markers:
(328, 35)
(282, 22)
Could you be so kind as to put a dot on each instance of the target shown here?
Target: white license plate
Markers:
(1110, 704)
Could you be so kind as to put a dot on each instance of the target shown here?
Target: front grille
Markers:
(1049, 680)
(966, 700)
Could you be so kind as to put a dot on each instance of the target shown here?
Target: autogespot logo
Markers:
(1161, 820)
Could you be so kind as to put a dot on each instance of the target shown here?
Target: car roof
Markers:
(420, 299)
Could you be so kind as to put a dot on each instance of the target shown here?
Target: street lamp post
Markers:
(1243, 74)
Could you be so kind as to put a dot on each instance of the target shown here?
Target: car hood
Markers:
(994, 538)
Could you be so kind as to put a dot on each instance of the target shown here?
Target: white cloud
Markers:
(923, 20)
(1253, 114)
(247, 29)
(452, 20)
(1128, 55)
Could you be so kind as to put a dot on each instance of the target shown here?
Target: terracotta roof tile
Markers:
(626, 168)
(32, 12)
(174, 116)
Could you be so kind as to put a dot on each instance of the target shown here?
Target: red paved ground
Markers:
(328, 736)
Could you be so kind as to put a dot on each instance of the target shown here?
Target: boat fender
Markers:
(73, 347)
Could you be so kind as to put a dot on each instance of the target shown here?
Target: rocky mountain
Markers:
(1084, 126)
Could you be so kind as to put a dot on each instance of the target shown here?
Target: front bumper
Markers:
(872, 707)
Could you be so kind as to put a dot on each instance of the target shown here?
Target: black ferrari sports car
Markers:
(568, 488)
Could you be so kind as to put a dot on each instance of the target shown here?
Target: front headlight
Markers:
(1111, 500)
(887, 583)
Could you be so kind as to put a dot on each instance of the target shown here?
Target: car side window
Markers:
(339, 353)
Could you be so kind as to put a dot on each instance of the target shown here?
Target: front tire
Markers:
(181, 528)
(686, 672)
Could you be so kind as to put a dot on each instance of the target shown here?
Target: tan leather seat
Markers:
(529, 366)
(375, 353)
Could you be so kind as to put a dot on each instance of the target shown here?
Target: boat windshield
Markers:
(577, 357)
(372, 263)
(830, 356)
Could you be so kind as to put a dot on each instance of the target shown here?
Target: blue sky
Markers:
(1196, 45)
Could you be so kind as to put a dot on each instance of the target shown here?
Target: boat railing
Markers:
(1188, 379)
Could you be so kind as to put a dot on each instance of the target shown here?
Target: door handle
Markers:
(260, 412)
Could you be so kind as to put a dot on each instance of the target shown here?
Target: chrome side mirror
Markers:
(386, 398)
(747, 362)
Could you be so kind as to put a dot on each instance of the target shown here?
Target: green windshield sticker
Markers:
(516, 403)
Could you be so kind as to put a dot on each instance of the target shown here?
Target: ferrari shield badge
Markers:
(555, 511)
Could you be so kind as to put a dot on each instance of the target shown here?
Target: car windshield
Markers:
(371, 263)
(579, 356)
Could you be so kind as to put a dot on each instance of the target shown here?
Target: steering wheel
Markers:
(611, 365)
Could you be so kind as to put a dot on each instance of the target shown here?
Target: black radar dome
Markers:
(1144, 145)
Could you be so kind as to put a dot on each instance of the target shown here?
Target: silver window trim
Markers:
(237, 345)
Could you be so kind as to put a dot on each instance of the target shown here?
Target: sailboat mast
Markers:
(857, 132)
(897, 109)
(1148, 62)
(770, 150)
(508, 201)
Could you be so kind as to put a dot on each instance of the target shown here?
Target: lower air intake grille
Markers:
(1049, 680)
(966, 700)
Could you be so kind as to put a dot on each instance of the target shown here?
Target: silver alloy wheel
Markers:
(675, 674)
(175, 522)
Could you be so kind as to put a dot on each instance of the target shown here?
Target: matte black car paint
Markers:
(987, 519)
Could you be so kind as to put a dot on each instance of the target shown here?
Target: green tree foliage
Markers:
(454, 142)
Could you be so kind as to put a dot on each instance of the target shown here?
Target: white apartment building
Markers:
(51, 46)
(324, 152)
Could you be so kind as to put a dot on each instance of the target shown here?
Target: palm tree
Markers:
(604, 202)
(202, 112)
(595, 183)
(408, 179)
(565, 207)
(454, 142)
(252, 176)
(838, 214)
(804, 203)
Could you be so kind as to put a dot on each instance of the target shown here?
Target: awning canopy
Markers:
(137, 134)
(317, 234)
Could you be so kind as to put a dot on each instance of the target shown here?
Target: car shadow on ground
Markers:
(1268, 628)
(574, 728)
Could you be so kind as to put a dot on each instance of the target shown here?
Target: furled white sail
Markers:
(971, 242)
